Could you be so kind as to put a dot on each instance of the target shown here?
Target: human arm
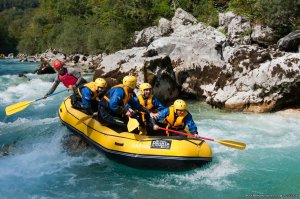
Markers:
(161, 115)
(54, 86)
(190, 124)
(116, 101)
(128, 106)
(157, 104)
(87, 95)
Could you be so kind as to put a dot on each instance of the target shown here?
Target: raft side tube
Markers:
(140, 151)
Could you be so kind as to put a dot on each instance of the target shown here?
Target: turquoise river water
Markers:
(35, 164)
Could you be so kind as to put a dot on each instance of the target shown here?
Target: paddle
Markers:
(132, 124)
(228, 143)
(12, 109)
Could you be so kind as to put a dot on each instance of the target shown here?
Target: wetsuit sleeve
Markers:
(190, 124)
(116, 101)
(54, 86)
(163, 113)
(157, 105)
(75, 73)
(86, 97)
(128, 106)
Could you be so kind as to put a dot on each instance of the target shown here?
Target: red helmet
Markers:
(57, 64)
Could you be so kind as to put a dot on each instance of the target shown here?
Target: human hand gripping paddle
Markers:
(12, 109)
(228, 143)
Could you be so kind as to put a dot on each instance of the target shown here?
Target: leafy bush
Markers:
(96, 26)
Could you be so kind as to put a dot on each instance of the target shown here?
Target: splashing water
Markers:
(35, 164)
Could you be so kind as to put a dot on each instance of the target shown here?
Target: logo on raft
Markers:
(161, 144)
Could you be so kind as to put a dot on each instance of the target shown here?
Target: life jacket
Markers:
(67, 79)
(91, 86)
(173, 121)
(146, 103)
(127, 97)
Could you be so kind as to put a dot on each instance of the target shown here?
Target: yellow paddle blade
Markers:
(12, 109)
(83, 119)
(132, 124)
(232, 144)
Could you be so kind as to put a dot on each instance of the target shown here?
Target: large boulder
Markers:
(240, 31)
(180, 61)
(225, 19)
(237, 28)
(50, 55)
(45, 68)
(182, 19)
(10, 55)
(262, 35)
(164, 26)
(291, 42)
(257, 80)
(197, 60)
(147, 35)
(148, 67)
(196, 54)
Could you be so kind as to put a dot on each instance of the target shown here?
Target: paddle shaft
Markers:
(188, 134)
(52, 94)
(228, 143)
(49, 95)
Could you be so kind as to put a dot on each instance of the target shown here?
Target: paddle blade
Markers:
(83, 119)
(232, 144)
(132, 124)
(12, 109)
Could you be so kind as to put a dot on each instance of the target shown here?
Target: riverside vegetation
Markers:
(98, 26)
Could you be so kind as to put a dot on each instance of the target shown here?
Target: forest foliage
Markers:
(97, 26)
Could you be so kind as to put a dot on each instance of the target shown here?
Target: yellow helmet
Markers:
(179, 105)
(144, 86)
(100, 82)
(129, 81)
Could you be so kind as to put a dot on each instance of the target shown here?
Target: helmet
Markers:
(144, 86)
(179, 105)
(57, 64)
(129, 81)
(100, 82)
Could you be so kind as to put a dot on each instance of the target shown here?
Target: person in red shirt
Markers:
(70, 77)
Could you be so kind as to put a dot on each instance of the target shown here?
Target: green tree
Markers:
(282, 15)
(7, 4)
(13, 22)
(206, 12)
(95, 26)
(72, 38)
(247, 8)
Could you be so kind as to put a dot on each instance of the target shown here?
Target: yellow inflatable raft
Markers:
(137, 150)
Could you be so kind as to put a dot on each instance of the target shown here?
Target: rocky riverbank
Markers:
(237, 66)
